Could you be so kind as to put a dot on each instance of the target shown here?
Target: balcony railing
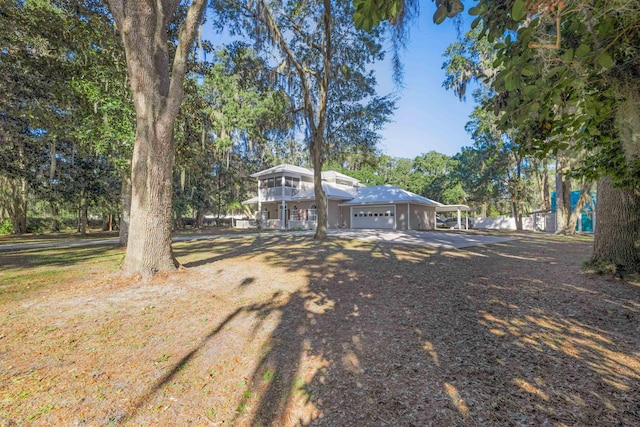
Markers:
(304, 214)
(302, 223)
(273, 224)
(275, 192)
(245, 223)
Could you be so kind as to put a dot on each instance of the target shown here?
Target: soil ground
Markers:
(283, 331)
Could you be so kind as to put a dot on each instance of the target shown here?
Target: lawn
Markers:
(281, 330)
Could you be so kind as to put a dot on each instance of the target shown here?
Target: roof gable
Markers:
(287, 168)
(337, 175)
(331, 191)
(284, 168)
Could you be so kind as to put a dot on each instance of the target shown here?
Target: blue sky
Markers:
(428, 117)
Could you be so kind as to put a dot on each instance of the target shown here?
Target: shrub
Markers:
(6, 227)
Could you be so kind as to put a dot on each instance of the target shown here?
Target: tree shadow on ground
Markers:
(402, 335)
(417, 335)
(229, 248)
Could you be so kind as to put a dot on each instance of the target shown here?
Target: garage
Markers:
(373, 217)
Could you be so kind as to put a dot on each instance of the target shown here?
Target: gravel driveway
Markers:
(440, 239)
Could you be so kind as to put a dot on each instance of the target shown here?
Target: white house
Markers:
(286, 200)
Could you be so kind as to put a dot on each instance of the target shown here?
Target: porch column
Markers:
(284, 206)
(408, 217)
(259, 201)
(459, 222)
(327, 212)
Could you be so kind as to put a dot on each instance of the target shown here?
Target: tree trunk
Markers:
(83, 216)
(107, 222)
(149, 242)
(577, 209)
(563, 195)
(199, 222)
(18, 211)
(546, 202)
(157, 95)
(55, 222)
(515, 212)
(125, 213)
(19, 189)
(321, 199)
(617, 227)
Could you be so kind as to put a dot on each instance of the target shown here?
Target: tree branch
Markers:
(179, 68)
(558, 33)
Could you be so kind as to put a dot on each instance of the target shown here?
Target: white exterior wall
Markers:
(334, 219)
(401, 216)
(345, 212)
(422, 217)
(502, 223)
(306, 183)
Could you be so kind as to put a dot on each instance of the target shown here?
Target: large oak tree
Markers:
(324, 67)
(157, 86)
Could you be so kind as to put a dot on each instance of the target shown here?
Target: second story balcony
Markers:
(275, 193)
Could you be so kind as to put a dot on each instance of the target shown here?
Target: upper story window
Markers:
(277, 182)
(292, 182)
(270, 182)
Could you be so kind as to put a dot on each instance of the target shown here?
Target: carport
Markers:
(458, 209)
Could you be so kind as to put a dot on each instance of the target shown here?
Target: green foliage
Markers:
(570, 97)
(49, 146)
(232, 115)
(519, 10)
(6, 227)
(370, 13)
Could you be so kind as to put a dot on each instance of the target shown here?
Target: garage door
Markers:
(373, 217)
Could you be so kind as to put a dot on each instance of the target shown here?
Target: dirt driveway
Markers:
(280, 330)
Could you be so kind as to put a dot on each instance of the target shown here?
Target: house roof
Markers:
(387, 194)
(251, 201)
(452, 208)
(284, 168)
(287, 168)
(335, 175)
(332, 191)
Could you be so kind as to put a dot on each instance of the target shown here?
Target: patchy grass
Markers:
(282, 330)
(28, 271)
(10, 239)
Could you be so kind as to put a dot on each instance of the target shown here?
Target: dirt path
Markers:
(281, 330)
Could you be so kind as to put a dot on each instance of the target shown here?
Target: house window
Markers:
(375, 214)
(391, 214)
(370, 214)
(292, 182)
(271, 183)
(355, 214)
